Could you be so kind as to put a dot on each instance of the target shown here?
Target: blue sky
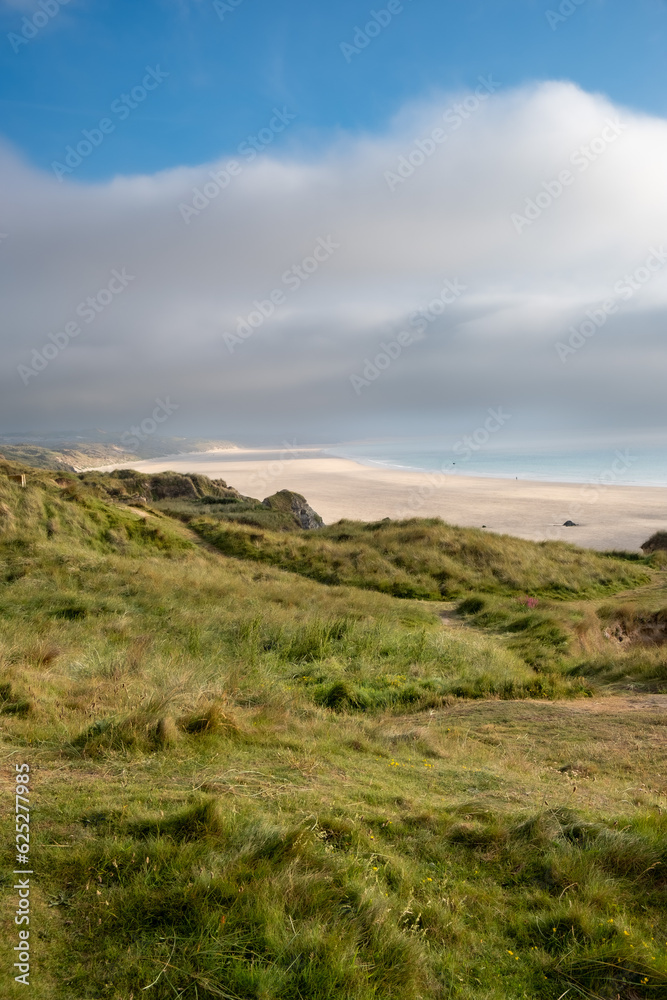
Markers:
(226, 73)
(168, 90)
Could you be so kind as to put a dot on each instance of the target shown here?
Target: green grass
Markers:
(242, 906)
(187, 497)
(250, 784)
(251, 513)
(295, 855)
(430, 560)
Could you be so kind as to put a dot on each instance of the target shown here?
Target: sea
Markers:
(612, 464)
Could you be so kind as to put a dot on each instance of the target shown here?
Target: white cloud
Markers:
(451, 218)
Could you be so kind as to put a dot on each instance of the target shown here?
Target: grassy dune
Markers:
(428, 559)
(248, 783)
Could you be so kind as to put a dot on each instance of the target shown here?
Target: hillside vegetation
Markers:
(255, 783)
(186, 497)
(428, 559)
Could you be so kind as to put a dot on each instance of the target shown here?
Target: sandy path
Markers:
(615, 704)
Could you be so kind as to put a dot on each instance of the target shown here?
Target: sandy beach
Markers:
(607, 517)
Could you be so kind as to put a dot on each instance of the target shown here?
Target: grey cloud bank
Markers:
(193, 282)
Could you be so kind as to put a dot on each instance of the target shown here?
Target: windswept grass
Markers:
(303, 856)
(239, 906)
(252, 785)
(430, 560)
(48, 518)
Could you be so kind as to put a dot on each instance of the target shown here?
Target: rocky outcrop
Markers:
(656, 543)
(286, 501)
(174, 486)
(195, 495)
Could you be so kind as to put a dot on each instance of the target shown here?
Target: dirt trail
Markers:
(138, 511)
(450, 618)
(616, 703)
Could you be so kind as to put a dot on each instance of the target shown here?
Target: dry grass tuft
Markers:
(213, 718)
(167, 732)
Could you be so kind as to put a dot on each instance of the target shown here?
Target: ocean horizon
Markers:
(631, 465)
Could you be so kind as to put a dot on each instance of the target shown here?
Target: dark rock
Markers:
(569, 524)
(286, 501)
(656, 543)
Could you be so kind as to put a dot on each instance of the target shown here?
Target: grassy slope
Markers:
(429, 559)
(203, 818)
(187, 497)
